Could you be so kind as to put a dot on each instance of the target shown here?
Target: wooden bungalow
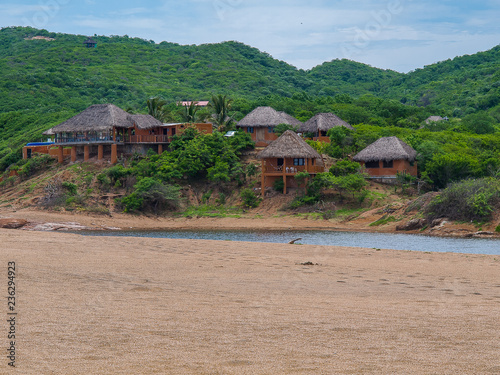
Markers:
(321, 123)
(387, 156)
(106, 129)
(285, 157)
(260, 123)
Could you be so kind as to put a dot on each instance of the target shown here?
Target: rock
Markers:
(413, 224)
(11, 223)
(441, 221)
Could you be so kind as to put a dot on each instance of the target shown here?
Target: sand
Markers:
(107, 305)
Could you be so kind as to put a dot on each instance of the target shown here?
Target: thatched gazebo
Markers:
(387, 156)
(321, 123)
(285, 157)
(260, 123)
(90, 43)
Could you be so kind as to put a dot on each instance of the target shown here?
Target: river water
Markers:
(393, 241)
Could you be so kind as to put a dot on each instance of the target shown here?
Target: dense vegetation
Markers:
(44, 82)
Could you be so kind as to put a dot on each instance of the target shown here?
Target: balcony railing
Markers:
(83, 139)
(313, 169)
(148, 139)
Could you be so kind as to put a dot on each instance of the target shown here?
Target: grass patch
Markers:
(206, 210)
(383, 220)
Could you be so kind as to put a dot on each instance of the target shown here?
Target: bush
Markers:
(70, 187)
(151, 194)
(469, 200)
(279, 185)
(251, 170)
(249, 198)
(37, 163)
(344, 167)
(103, 179)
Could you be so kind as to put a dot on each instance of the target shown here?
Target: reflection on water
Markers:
(356, 239)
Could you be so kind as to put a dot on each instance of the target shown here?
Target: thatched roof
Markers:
(146, 121)
(267, 116)
(434, 119)
(97, 117)
(323, 122)
(289, 145)
(48, 132)
(387, 148)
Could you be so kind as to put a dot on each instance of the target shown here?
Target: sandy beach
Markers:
(107, 305)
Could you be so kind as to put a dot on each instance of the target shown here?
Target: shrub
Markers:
(70, 187)
(251, 170)
(249, 198)
(279, 185)
(37, 163)
(151, 194)
(344, 167)
(470, 200)
(103, 179)
(117, 173)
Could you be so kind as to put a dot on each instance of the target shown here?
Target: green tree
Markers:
(281, 128)
(155, 108)
(340, 140)
(220, 106)
(479, 123)
(446, 168)
(189, 112)
(344, 167)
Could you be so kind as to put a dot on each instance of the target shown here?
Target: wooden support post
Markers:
(114, 153)
(100, 152)
(263, 180)
(160, 149)
(73, 154)
(86, 152)
(60, 154)
(284, 175)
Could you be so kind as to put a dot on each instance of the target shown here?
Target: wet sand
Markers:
(108, 305)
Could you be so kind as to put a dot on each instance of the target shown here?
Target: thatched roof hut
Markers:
(267, 116)
(435, 119)
(146, 121)
(48, 132)
(323, 122)
(386, 148)
(289, 145)
(97, 117)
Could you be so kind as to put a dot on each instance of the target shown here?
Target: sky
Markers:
(401, 35)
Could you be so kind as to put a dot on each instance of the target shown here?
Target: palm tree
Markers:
(189, 111)
(221, 106)
(155, 108)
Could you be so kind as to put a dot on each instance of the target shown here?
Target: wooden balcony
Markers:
(278, 170)
(148, 139)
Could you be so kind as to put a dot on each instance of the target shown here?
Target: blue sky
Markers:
(392, 34)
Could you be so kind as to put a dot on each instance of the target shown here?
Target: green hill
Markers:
(45, 81)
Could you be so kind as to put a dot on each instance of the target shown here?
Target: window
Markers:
(372, 164)
(299, 161)
(387, 164)
(270, 129)
(250, 129)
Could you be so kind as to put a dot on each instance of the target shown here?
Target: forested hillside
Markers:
(45, 81)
